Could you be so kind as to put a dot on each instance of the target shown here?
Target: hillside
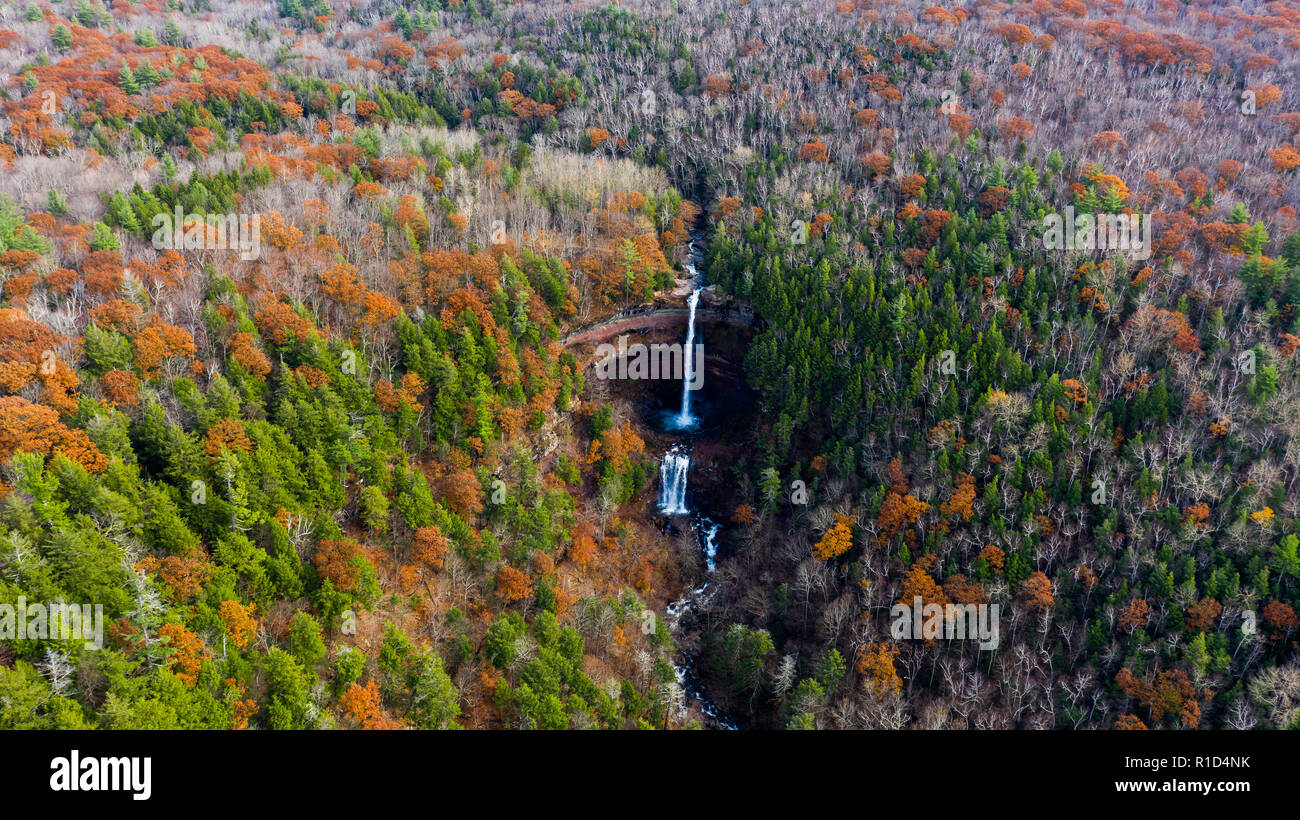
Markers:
(301, 363)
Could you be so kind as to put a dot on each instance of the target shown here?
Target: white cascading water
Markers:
(684, 419)
(695, 599)
(672, 482)
(711, 545)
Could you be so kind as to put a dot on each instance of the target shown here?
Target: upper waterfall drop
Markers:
(685, 419)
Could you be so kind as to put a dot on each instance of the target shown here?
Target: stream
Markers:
(674, 500)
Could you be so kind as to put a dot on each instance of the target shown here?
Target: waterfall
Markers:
(673, 473)
(684, 418)
(672, 482)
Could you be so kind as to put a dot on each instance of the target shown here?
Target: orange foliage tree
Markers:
(512, 584)
(239, 622)
(1169, 692)
(226, 434)
(158, 343)
(837, 540)
(963, 497)
(911, 185)
(362, 705)
(35, 428)
(1134, 616)
(1036, 591)
(876, 665)
(583, 548)
(814, 151)
(189, 652)
(918, 583)
(335, 561)
(430, 547)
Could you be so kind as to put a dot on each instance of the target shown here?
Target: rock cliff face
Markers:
(715, 309)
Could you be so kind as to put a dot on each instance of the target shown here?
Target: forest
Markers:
(295, 388)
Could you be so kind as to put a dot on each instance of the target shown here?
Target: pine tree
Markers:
(102, 238)
(62, 37)
(56, 203)
(85, 14)
(126, 79)
(145, 74)
(172, 34)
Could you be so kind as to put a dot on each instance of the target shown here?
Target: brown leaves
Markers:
(1134, 616)
(1015, 33)
(278, 322)
(1284, 158)
(616, 445)
(462, 491)
(118, 314)
(960, 590)
(1164, 327)
(18, 288)
(961, 123)
(120, 387)
(994, 557)
(726, 206)
(464, 299)
(1075, 390)
(1281, 617)
(918, 583)
(899, 509)
(911, 185)
(743, 516)
(277, 230)
(866, 118)
(409, 212)
(898, 512)
(1221, 236)
(932, 224)
(993, 199)
(1129, 723)
(1197, 515)
(1015, 128)
(1202, 614)
(1168, 692)
(717, 85)
(876, 164)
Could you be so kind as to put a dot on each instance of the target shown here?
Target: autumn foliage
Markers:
(837, 540)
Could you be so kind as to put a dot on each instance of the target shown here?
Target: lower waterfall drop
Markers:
(673, 471)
